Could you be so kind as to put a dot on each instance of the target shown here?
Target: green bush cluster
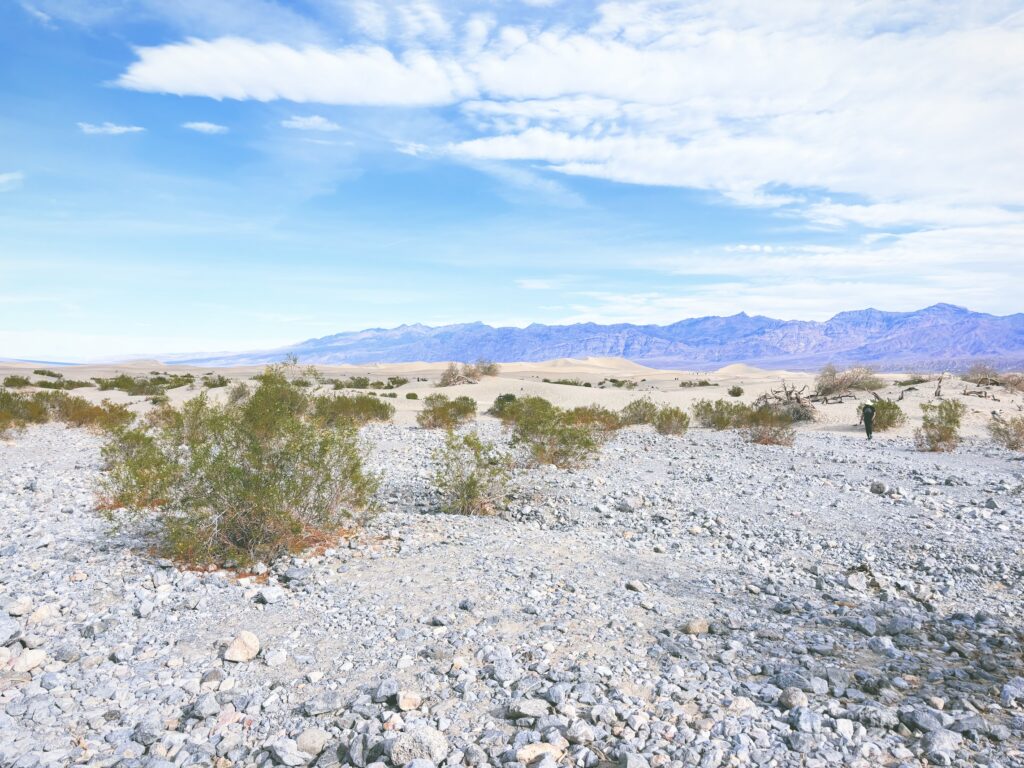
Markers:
(471, 476)
(687, 384)
(832, 381)
(567, 382)
(940, 426)
(441, 412)
(142, 386)
(888, 415)
(671, 420)
(48, 373)
(237, 483)
(735, 391)
(618, 383)
(642, 411)
(552, 435)
(721, 414)
(18, 410)
(63, 384)
(350, 410)
(411, 396)
(14, 381)
(211, 381)
(769, 426)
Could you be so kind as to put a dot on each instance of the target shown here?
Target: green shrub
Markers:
(502, 406)
(16, 382)
(671, 420)
(472, 475)
(301, 382)
(394, 382)
(1009, 433)
(551, 434)
(441, 412)
(215, 382)
(596, 417)
(721, 414)
(351, 410)
(567, 382)
(735, 391)
(144, 387)
(238, 393)
(618, 383)
(940, 426)
(769, 426)
(888, 415)
(411, 396)
(48, 372)
(642, 411)
(63, 384)
(698, 383)
(913, 380)
(18, 410)
(355, 382)
(233, 484)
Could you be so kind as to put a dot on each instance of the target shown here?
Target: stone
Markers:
(275, 658)
(528, 708)
(940, 746)
(407, 701)
(312, 741)
(286, 752)
(9, 630)
(29, 660)
(323, 704)
(422, 742)
(633, 760)
(206, 706)
(792, 698)
(270, 595)
(20, 607)
(243, 648)
(696, 626)
(636, 586)
(386, 690)
(531, 753)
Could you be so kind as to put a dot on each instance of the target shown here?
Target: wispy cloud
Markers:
(11, 180)
(310, 123)
(204, 127)
(109, 129)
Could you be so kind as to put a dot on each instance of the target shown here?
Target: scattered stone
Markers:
(243, 648)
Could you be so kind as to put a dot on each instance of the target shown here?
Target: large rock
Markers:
(9, 630)
(422, 743)
(243, 648)
(29, 660)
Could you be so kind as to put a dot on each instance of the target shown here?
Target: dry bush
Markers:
(472, 475)
(552, 435)
(16, 382)
(940, 426)
(467, 373)
(1014, 382)
(832, 381)
(441, 412)
(888, 415)
(981, 372)
(215, 381)
(735, 391)
(18, 410)
(769, 426)
(596, 417)
(671, 420)
(235, 484)
(1009, 433)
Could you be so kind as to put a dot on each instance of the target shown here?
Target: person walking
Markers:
(868, 414)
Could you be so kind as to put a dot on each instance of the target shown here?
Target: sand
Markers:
(662, 386)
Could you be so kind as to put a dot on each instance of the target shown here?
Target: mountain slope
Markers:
(939, 336)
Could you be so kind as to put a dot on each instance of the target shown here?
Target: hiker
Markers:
(868, 414)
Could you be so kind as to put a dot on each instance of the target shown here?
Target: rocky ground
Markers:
(693, 601)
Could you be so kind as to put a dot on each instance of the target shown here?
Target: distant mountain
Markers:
(941, 336)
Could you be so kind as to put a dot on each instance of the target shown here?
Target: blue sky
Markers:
(229, 174)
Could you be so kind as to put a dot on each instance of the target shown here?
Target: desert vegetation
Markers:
(238, 483)
(735, 391)
(350, 410)
(14, 381)
(940, 426)
(18, 410)
(442, 412)
(567, 382)
(888, 415)
(720, 414)
(832, 381)
(1007, 432)
(472, 474)
(691, 383)
(467, 373)
(155, 384)
(215, 381)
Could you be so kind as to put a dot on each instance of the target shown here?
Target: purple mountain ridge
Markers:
(942, 336)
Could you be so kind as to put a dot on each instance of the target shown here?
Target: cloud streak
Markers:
(108, 129)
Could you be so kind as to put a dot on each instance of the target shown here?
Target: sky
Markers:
(206, 175)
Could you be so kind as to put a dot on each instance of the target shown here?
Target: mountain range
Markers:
(941, 336)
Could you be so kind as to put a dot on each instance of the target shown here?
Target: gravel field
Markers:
(682, 601)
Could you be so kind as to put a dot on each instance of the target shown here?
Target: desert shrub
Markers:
(160, 399)
(411, 396)
(16, 382)
(687, 384)
(64, 384)
(467, 373)
(567, 382)
(47, 372)
(354, 382)
(735, 391)
(17, 410)
(550, 434)
(832, 381)
(671, 420)
(888, 415)
(441, 412)
(914, 379)
(394, 382)
(350, 410)
(389, 394)
(1009, 433)
(1013, 381)
(238, 393)
(618, 383)
(142, 386)
(794, 410)
(472, 475)
(215, 381)
(302, 382)
(642, 411)
(769, 426)
(940, 426)
(486, 368)
(596, 417)
(233, 484)
(502, 406)
(721, 414)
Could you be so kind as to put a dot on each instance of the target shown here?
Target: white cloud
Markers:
(204, 127)
(11, 180)
(536, 284)
(310, 123)
(109, 129)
